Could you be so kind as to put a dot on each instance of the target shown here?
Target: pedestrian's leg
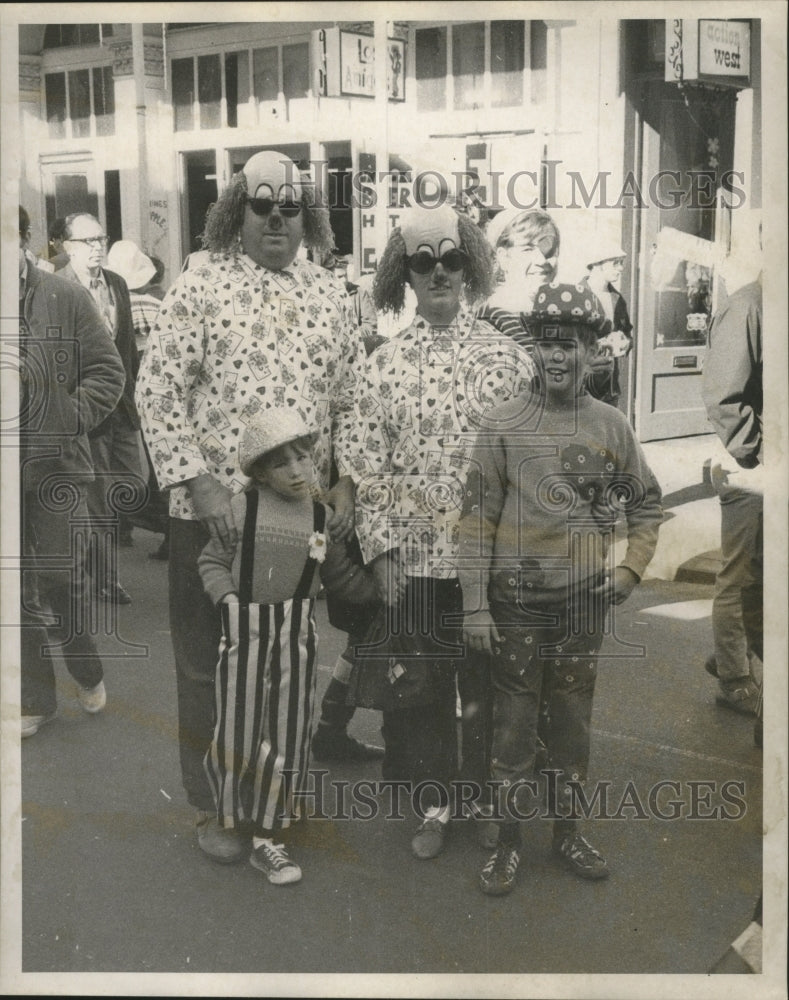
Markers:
(331, 740)
(195, 630)
(65, 593)
(753, 612)
(739, 525)
(285, 696)
(571, 671)
(516, 682)
(475, 697)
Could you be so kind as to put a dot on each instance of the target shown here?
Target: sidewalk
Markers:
(689, 544)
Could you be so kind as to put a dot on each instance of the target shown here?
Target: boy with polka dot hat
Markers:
(551, 473)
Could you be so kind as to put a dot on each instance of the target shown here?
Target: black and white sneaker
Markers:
(272, 859)
(498, 876)
(579, 856)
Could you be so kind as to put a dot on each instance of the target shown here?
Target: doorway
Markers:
(686, 141)
(200, 192)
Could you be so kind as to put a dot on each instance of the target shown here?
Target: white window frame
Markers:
(487, 73)
(68, 121)
(234, 48)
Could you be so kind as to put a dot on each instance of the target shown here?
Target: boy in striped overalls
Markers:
(265, 588)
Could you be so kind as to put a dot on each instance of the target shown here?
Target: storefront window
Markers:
(236, 84)
(506, 63)
(55, 91)
(209, 91)
(104, 100)
(265, 73)
(295, 70)
(431, 68)
(79, 102)
(59, 35)
(183, 94)
(468, 64)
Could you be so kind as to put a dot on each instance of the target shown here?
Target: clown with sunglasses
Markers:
(419, 401)
(248, 325)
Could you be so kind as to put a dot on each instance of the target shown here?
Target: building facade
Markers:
(626, 130)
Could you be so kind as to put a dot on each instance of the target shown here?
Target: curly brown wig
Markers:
(226, 215)
(391, 275)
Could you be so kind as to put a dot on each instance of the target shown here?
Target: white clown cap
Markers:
(434, 229)
(271, 170)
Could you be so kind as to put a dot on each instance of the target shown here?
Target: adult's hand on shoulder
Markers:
(341, 499)
(212, 505)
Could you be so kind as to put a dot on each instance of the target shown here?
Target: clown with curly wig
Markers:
(420, 400)
(392, 274)
(266, 177)
(248, 326)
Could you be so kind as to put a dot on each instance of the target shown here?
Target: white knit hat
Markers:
(126, 259)
(267, 431)
(603, 249)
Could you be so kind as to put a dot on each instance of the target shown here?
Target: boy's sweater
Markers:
(544, 486)
(282, 535)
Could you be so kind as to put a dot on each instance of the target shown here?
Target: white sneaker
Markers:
(93, 699)
(272, 859)
(31, 724)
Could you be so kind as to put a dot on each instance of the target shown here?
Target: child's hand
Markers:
(390, 578)
(479, 630)
(229, 599)
(617, 586)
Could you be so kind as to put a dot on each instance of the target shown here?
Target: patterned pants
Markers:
(543, 679)
(265, 696)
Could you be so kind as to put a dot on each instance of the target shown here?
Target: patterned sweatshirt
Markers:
(233, 338)
(419, 403)
(544, 491)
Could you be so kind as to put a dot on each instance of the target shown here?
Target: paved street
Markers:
(113, 879)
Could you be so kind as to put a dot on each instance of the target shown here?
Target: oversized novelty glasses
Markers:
(424, 262)
(265, 206)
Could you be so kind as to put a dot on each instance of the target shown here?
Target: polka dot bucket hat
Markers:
(565, 305)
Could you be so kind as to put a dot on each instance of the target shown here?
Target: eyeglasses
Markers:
(91, 241)
(424, 262)
(265, 206)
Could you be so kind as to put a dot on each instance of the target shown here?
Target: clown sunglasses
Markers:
(265, 206)
(424, 262)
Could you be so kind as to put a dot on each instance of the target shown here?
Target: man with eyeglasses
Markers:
(420, 400)
(115, 444)
(249, 325)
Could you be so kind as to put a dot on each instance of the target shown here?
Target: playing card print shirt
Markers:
(233, 338)
(419, 403)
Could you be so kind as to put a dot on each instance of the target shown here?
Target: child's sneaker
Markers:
(498, 876)
(272, 859)
(579, 856)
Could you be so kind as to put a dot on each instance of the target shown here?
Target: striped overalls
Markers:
(265, 695)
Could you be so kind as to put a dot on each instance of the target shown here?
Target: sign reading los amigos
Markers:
(346, 64)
